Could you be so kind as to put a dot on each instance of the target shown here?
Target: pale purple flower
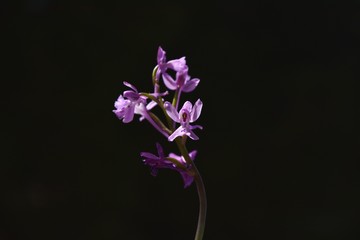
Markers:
(185, 116)
(132, 102)
(129, 103)
(183, 81)
(163, 65)
(160, 161)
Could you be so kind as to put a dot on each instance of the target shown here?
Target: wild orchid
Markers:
(132, 102)
(186, 115)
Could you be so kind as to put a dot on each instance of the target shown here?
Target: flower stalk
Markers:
(200, 190)
(179, 127)
(202, 203)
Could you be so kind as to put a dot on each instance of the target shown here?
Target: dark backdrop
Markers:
(278, 152)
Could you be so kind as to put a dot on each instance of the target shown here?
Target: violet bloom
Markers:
(185, 116)
(183, 82)
(130, 103)
(160, 161)
(134, 103)
(163, 65)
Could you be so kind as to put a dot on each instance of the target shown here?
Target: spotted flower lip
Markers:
(157, 162)
(187, 114)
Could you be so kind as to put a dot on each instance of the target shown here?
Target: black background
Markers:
(278, 152)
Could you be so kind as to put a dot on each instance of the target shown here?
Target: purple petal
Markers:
(186, 178)
(187, 106)
(161, 55)
(177, 133)
(160, 150)
(192, 135)
(119, 99)
(151, 105)
(192, 154)
(171, 111)
(148, 155)
(190, 85)
(119, 114)
(178, 158)
(131, 95)
(140, 109)
(130, 86)
(196, 111)
(129, 114)
(177, 64)
(169, 81)
(121, 103)
(195, 126)
(181, 77)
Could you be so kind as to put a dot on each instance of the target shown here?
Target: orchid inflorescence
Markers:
(179, 122)
(132, 102)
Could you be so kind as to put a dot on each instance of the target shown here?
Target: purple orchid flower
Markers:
(185, 116)
(183, 81)
(130, 103)
(160, 161)
(163, 65)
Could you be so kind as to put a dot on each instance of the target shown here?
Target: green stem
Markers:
(176, 98)
(175, 101)
(168, 119)
(160, 123)
(160, 102)
(200, 189)
(203, 205)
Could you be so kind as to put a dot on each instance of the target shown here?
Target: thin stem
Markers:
(200, 189)
(176, 98)
(160, 123)
(160, 102)
(157, 127)
(168, 119)
(175, 101)
(203, 205)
